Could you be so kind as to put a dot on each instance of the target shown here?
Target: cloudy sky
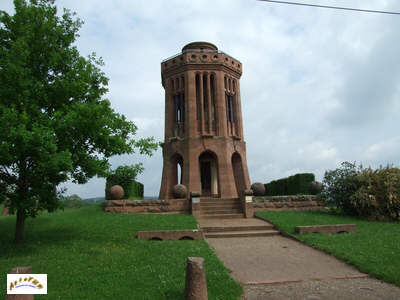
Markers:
(319, 86)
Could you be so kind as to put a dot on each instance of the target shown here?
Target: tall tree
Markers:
(56, 124)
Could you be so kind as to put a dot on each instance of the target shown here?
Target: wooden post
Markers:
(196, 284)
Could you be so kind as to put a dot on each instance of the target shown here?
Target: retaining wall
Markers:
(302, 202)
(147, 206)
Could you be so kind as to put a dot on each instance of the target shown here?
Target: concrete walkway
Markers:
(276, 267)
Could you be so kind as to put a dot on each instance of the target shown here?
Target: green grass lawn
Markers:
(90, 254)
(374, 248)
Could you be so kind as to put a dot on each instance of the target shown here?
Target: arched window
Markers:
(230, 108)
(179, 108)
(198, 101)
(213, 96)
(205, 98)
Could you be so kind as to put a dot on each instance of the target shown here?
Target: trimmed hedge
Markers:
(132, 188)
(293, 185)
(136, 189)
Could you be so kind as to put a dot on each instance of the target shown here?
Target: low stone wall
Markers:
(336, 228)
(147, 206)
(165, 235)
(303, 202)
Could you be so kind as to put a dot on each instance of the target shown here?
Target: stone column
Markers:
(238, 108)
(190, 107)
(196, 284)
(220, 104)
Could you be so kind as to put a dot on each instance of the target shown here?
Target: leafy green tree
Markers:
(56, 123)
(340, 184)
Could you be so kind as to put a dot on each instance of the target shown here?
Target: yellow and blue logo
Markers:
(27, 284)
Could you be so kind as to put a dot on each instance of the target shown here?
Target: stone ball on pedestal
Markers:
(116, 192)
(179, 191)
(258, 189)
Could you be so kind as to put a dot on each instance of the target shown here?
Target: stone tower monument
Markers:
(204, 147)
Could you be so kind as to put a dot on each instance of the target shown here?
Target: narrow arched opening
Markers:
(176, 173)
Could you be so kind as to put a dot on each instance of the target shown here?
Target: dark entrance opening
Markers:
(205, 177)
(208, 174)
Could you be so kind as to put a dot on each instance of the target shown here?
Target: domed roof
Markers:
(199, 46)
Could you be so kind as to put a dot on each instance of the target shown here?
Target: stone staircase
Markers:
(220, 208)
(224, 218)
(239, 231)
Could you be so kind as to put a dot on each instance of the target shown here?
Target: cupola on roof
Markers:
(199, 46)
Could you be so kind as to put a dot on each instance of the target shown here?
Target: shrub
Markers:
(379, 194)
(339, 185)
(364, 192)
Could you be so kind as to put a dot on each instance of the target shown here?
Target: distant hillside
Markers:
(94, 200)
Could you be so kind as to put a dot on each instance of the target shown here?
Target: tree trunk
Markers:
(19, 228)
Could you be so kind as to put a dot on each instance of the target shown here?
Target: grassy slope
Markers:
(89, 254)
(374, 248)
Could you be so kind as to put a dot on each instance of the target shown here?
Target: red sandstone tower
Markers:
(204, 147)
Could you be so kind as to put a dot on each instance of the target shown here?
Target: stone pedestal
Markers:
(246, 197)
(195, 204)
(196, 284)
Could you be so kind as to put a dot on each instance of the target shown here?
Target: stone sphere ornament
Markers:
(315, 187)
(258, 189)
(179, 191)
(116, 192)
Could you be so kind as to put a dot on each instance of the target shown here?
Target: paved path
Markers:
(348, 289)
(281, 268)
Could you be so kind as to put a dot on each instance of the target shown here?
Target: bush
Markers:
(339, 185)
(379, 194)
(293, 185)
(369, 193)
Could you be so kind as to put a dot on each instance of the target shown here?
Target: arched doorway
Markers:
(238, 172)
(208, 165)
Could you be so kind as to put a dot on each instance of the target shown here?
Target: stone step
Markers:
(225, 200)
(233, 234)
(222, 216)
(206, 204)
(219, 206)
(222, 211)
(236, 228)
